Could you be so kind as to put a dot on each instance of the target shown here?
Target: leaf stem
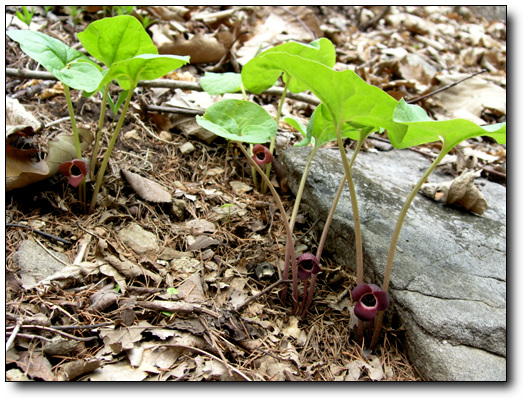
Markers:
(273, 141)
(105, 162)
(96, 148)
(77, 146)
(290, 244)
(396, 234)
(354, 203)
(295, 209)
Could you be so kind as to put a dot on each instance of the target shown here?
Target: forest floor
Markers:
(181, 316)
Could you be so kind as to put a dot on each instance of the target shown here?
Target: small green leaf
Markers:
(172, 290)
(239, 120)
(259, 76)
(66, 64)
(142, 67)
(307, 138)
(422, 129)
(221, 83)
(110, 40)
(347, 97)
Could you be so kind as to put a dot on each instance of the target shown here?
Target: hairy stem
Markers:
(290, 243)
(354, 203)
(96, 148)
(105, 162)
(273, 141)
(295, 209)
(77, 145)
(396, 235)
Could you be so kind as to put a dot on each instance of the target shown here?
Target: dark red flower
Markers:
(307, 265)
(75, 170)
(370, 299)
(261, 154)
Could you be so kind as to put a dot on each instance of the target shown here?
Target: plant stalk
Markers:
(328, 223)
(273, 141)
(77, 146)
(354, 203)
(105, 162)
(96, 148)
(290, 243)
(396, 235)
(295, 209)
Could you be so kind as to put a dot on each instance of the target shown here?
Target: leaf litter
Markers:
(113, 301)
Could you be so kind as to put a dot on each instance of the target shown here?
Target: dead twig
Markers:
(439, 90)
(162, 83)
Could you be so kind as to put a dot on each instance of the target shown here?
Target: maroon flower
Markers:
(307, 265)
(370, 299)
(261, 154)
(75, 170)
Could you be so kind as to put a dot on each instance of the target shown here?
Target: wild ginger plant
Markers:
(352, 108)
(124, 47)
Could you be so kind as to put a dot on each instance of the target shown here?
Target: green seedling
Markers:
(25, 15)
(68, 65)
(124, 47)
(422, 129)
(246, 122)
(75, 13)
(259, 75)
(352, 108)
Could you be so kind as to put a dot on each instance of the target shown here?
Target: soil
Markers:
(211, 339)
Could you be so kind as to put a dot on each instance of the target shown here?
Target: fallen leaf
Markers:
(35, 365)
(147, 189)
(460, 192)
(191, 291)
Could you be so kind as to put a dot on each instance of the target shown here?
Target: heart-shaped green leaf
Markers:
(142, 67)
(239, 120)
(68, 65)
(422, 129)
(110, 40)
(345, 94)
(221, 83)
(259, 76)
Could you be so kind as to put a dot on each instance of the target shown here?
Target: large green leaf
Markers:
(422, 129)
(259, 75)
(110, 40)
(66, 64)
(321, 128)
(239, 120)
(142, 67)
(221, 83)
(344, 93)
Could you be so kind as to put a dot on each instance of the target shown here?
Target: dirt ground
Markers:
(181, 315)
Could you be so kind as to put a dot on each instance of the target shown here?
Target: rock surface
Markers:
(448, 283)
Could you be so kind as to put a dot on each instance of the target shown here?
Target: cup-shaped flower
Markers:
(75, 170)
(307, 265)
(261, 154)
(369, 300)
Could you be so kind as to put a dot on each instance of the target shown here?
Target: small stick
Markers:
(39, 232)
(439, 90)
(267, 289)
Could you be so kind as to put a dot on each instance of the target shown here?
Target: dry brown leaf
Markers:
(59, 151)
(470, 98)
(35, 365)
(460, 192)
(147, 189)
(202, 48)
(191, 291)
(16, 114)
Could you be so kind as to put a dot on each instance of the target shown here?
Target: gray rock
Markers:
(138, 239)
(448, 282)
(36, 264)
